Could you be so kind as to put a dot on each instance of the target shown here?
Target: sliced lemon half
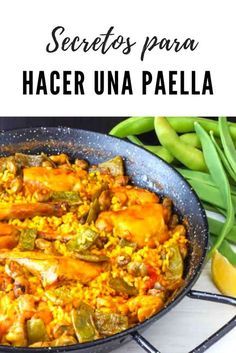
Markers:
(223, 274)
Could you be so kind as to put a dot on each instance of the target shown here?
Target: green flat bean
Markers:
(202, 178)
(160, 151)
(191, 139)
(133, 126)
(226, 250)
(223, 157)
(186, 124)
(212, 208)
(216, 226)
(190, 156)
(227, 143)
(218, 175)
(210, 194)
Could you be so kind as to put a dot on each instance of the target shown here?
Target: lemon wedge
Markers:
(223, 274)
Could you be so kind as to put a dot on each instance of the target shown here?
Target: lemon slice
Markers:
(223, 274)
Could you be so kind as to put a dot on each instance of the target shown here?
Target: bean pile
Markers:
(203, 151)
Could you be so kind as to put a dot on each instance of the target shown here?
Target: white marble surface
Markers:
(190, 323)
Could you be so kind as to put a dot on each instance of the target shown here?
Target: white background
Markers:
(25, 30)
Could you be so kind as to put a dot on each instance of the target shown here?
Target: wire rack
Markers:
(194, 294)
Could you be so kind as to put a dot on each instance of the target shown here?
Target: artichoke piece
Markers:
(70, 197)
(27, 239)
(83, 241)
(92, 257)
(122, 287)
(110, 324)
(93, 211)
(82, 320)
(25, 160)
(176, 266)
(114, 165)
(15, 163)
(36, 330)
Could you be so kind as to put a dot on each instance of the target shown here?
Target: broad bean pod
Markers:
(133, 126)
(189, 156)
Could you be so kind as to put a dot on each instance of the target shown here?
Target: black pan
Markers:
(145, 170)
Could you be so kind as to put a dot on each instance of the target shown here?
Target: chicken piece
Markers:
(9, 236)
(132, 195)
(53, 268)
(141, 224)
(54, 179)
(21, 211)
(8, 229)
(145, 306)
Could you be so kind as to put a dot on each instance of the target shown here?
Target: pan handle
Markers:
(143, 343)
(217, 298)
(212, 297)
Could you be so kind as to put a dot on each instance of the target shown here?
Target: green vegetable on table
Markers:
(219, 176)
(133, 126)
(203, 151)
(190, 156)
(191, 139)
(215, 226)
(227, 143)
(223, 158)
(186, 124)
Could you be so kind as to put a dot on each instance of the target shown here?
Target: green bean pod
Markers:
(202, 178)
(210, 194)
(190, 156)
(183, 124)
(223, 158)
(216, 226)
(227, 143)
(133, 126)
(218, 175)
(226, 250)
(199, 177)
(191, 139)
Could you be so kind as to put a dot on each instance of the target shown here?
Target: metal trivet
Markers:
(195, 294)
